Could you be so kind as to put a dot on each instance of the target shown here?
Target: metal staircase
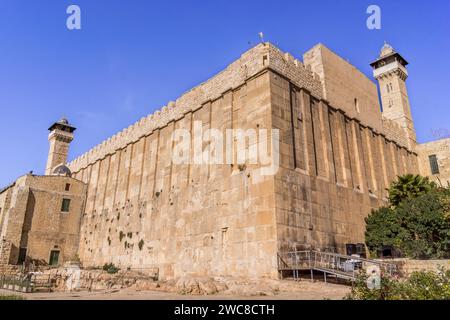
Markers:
(338, 265)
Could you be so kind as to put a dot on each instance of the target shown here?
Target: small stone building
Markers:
(40, 216)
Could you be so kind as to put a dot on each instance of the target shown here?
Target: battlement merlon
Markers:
(254, 61)
(261, 57)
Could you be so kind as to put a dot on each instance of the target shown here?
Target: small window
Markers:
(67, 186)
(54, 258)
(357, 106)
(65, 207)
(434, 164)
(387, 88)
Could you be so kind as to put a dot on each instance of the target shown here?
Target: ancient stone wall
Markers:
(15, 216)
(334, 170)
(441, 149)
(345, 87)
(5, 202)
(5, 252)
(395, 132)
(143, 211)
(407, 266)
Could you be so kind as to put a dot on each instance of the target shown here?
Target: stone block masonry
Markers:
(441, 150)
(145, 212)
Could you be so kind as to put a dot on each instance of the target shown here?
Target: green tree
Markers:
(426, 226)
(417, 225)
(383, 228)
(408, 187)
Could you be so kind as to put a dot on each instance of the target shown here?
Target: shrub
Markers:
(423, 285)
(110, 268)
(408, 187)
(11, 297)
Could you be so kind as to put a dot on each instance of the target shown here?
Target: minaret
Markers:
(60, 137)
(390, 71)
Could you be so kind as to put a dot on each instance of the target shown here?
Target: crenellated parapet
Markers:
(395, 132)
(263, 56)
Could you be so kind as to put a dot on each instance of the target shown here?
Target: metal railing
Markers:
(26, 283)
(340, 265)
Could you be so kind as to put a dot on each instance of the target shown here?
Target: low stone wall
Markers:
(407, 266)
(5, 251)
(73, 279)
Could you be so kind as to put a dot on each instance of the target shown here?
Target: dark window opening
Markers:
(67, 186)
(358, 249)
(434, 164)
(350, 249)
(387, 252)
(22, 255)
(54, 257)
(65, 207)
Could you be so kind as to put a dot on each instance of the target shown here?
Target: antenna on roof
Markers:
(261, 36)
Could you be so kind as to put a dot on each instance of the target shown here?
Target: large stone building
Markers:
(338, 150)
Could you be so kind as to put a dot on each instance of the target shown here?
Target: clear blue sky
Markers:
(132, 57)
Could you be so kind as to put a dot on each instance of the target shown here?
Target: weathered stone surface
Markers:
(31, 218)
(441, 149)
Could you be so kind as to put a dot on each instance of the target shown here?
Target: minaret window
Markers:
(389, 87)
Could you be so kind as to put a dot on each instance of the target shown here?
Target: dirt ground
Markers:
(304, 290)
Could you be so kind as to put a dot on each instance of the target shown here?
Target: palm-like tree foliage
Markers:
(409, 186)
